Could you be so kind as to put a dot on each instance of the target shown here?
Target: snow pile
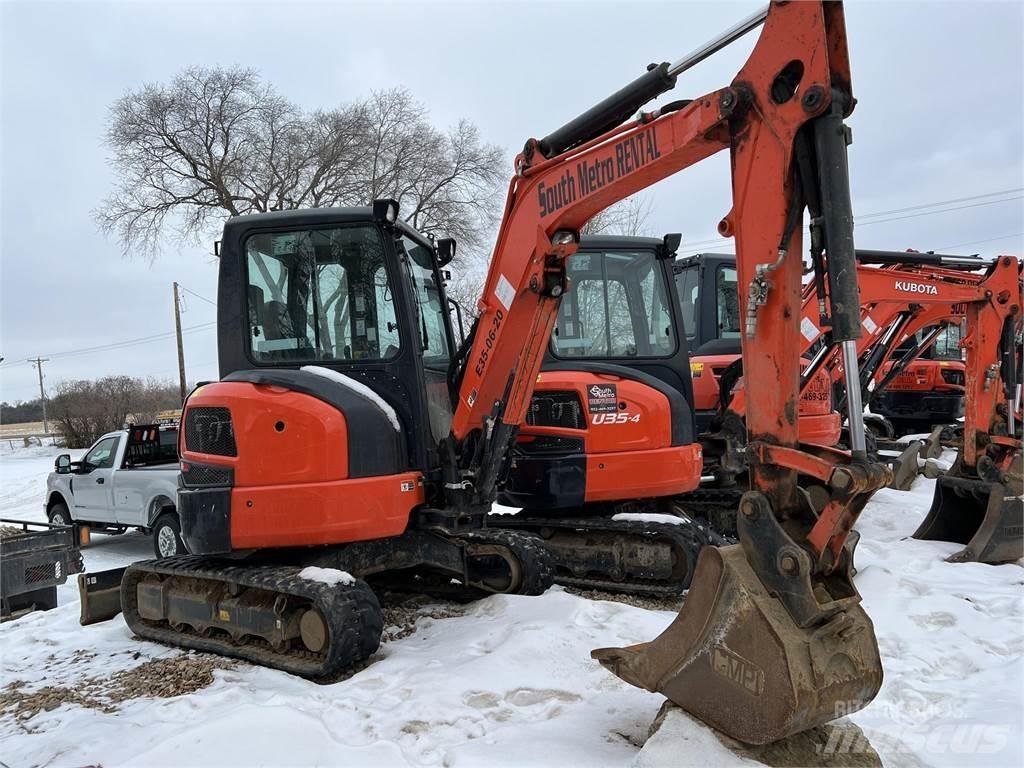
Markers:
(511, 682)
(358, 387)
(329, 576)
(649, 517)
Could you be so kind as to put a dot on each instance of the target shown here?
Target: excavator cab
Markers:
(611, 416)
(344, 289)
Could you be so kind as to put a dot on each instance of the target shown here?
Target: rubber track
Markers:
(352, 613)
(686, 539)
(705, 503)
(536, 562)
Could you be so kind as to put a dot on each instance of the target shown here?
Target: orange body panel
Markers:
(817, 422)
(292, 485)
(924, 376)
(642, 421)
(323, 513)
(643, 474)
(629, 452)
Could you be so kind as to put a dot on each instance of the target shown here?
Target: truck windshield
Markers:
(617, 307)
(320, 294)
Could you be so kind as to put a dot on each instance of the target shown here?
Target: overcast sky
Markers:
(939, 118)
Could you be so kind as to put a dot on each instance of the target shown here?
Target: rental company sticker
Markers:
(869, 324)
(504, 291)
(602, 398)
(809, 329)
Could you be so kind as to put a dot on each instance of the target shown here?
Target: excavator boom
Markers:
(772, 635)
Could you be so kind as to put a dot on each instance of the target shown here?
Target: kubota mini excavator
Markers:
(608, 445)
(364, 465)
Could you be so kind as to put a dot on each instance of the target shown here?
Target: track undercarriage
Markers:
(632, 555)
(319, 624)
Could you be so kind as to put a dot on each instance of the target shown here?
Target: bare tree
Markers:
(627, 217)
(85, 410)
(221, 142)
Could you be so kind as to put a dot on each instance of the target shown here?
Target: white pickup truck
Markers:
(127, 479)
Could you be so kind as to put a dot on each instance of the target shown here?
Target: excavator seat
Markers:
(735, 658)
(987, 517)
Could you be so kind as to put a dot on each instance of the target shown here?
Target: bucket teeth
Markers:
(735, 658)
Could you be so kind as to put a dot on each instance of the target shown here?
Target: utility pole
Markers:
(181, 348)
(38, 363)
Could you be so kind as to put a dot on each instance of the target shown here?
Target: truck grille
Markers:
(556, 409)
(208, 430)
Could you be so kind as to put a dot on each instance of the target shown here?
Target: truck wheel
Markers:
(167, 536)
(59, 515)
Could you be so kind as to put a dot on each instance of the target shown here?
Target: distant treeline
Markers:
(84, 410)
(21, 412)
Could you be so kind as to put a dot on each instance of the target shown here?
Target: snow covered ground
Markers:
(509, 681)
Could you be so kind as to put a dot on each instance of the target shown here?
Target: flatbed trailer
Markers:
(35, 558)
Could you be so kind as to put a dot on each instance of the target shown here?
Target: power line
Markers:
(114, 345)
(201, 298)
(919, 207)
(858, 220)
(943, 202)
(976, 242)
(932, 213)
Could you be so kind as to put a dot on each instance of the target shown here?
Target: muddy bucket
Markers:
(987, 517)
(736, 659)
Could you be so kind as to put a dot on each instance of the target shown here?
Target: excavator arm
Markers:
(797, 76)
(772, 636)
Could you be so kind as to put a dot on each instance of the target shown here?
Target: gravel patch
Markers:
(159, 678)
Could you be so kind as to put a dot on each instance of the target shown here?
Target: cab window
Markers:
(947, 344)
(432, 330)
(320, 294)
(617, 307)
(102, 454)
(727, 303)
(689, 299)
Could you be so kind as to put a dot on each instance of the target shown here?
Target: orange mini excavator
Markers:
(342, 442)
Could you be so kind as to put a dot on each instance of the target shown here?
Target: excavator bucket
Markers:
(987, 517)
(736, 659)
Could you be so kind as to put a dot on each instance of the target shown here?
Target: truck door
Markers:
(93, 486)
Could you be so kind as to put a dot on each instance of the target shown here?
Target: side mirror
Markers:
(445, 251)
(62, 465)
(670, 244)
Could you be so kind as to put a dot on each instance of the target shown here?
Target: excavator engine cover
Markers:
(736, 659)
(986, 516)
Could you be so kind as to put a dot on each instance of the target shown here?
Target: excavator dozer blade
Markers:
(735, 658)
(987, 517)
(100, 595)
